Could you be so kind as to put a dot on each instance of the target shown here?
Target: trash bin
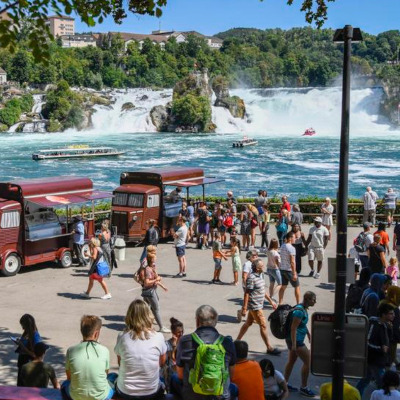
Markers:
(119, 248)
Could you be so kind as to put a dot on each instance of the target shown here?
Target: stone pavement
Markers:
(51, 295)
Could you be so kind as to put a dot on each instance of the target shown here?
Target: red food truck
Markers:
(31, 232)
(142, 195)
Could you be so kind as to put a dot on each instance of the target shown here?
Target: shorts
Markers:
(287, 277)
(260, 218)
(317, 253)
(389, 212)
(180, 251)
(298, 344)
(222, 229)
(274, 276)
(204, 228)
(217, 263)
(256, 316)
(95, 276)
(357, 265)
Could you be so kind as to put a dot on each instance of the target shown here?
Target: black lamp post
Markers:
(346, 36)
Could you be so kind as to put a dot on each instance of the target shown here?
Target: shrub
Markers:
(9, 115)
(192, 110)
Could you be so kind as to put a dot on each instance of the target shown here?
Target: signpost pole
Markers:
(341, 247)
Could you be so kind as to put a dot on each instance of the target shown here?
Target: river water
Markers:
(282, 162)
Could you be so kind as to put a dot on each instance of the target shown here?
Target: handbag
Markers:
(303, 251)
(103, 269)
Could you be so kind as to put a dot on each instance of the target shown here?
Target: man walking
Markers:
(180, 246)
(79, 240)
(316, 242)
(363, 241)
(187, 360)
(254, 302)
(296, 346)
(370, 197)
(87, 365)
(389, 201)
(288, 268)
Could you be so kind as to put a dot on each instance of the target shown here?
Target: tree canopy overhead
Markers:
(30, 16)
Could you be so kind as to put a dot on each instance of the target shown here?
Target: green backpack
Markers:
(209, 374)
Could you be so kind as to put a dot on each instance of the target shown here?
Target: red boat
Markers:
(309, 132)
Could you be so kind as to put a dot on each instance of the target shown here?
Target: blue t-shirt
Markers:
(301, 313)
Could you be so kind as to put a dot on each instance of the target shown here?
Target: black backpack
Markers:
(360, 244)
(353, 299)
(280, 320)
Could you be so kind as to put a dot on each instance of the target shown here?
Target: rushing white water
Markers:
(270, 112)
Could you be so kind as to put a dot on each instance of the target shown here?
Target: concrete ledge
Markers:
(26, 393)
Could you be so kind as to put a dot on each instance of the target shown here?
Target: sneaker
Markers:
(213, 281)
(292, 389)
(316, 276)
(164, 330)
(311, 273)
(106, 296)
(218, 280)
(85, 295)
(307, 392)
(203, 247)
(178, 275)
(184, 274)
(274, 352)
(239, 315)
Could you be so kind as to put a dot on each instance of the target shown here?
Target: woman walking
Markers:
(273, 267)
(245, 227)
(282, 226)
(105, 242)
(151, 281)
(236, 262)
(26, 343)
(299, 245)
(97, 257)
(265, 227)
(140, 352)
(327, 211)
(151, 238)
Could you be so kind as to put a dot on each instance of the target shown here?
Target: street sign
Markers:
(322, 344)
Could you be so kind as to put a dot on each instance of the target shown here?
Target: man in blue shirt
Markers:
(79, 240)
(295, 343)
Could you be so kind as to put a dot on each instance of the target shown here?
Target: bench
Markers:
(27, 393)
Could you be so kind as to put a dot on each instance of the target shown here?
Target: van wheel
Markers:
(66, 259)
(12, 265)
(85, 252)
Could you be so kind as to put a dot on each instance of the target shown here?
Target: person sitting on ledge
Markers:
(87, 365)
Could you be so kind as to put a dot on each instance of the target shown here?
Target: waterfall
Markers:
(270, 112)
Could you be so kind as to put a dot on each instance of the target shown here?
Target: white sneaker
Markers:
(106, 296)
(85, 295)
(316, 276)
(164, 330)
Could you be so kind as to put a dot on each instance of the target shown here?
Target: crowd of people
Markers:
(205, 364)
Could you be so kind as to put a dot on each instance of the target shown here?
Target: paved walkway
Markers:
(51, 295)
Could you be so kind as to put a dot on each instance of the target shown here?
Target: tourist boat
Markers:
(76, 151)
(245, 142)
(309, 132)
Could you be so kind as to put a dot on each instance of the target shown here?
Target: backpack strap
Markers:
(219, 340)
(197, 339)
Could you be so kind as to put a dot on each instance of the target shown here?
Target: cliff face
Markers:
(391, 101)
(234, 104)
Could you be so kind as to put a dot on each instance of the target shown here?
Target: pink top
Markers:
(393, 271)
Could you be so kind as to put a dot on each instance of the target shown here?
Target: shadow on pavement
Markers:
(199, 282)
(73, 296)
(227, 319)
(117, 322)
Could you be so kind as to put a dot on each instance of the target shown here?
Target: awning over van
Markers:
(53, 200)
(195, 182)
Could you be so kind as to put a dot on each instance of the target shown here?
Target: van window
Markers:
(120, 199)
(153, 200)
(135, 200)
(10, 219)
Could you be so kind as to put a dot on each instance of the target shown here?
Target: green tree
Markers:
(192, 110)
(21, 66)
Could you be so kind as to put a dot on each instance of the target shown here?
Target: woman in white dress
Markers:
(327, 211)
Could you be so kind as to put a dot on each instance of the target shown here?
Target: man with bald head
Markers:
(370, 197)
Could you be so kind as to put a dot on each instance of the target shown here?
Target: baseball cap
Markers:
(317, 219)
(366, 225)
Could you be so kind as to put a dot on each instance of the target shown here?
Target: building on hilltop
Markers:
(161, 37)
(78, 40)
(3, 76)
(61, 25)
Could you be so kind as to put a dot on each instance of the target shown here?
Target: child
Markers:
(218, 255)
(393, 270)
(236, 262)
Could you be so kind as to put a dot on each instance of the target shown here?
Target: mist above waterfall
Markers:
(270, 112)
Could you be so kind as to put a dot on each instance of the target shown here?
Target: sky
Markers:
(212, 16)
